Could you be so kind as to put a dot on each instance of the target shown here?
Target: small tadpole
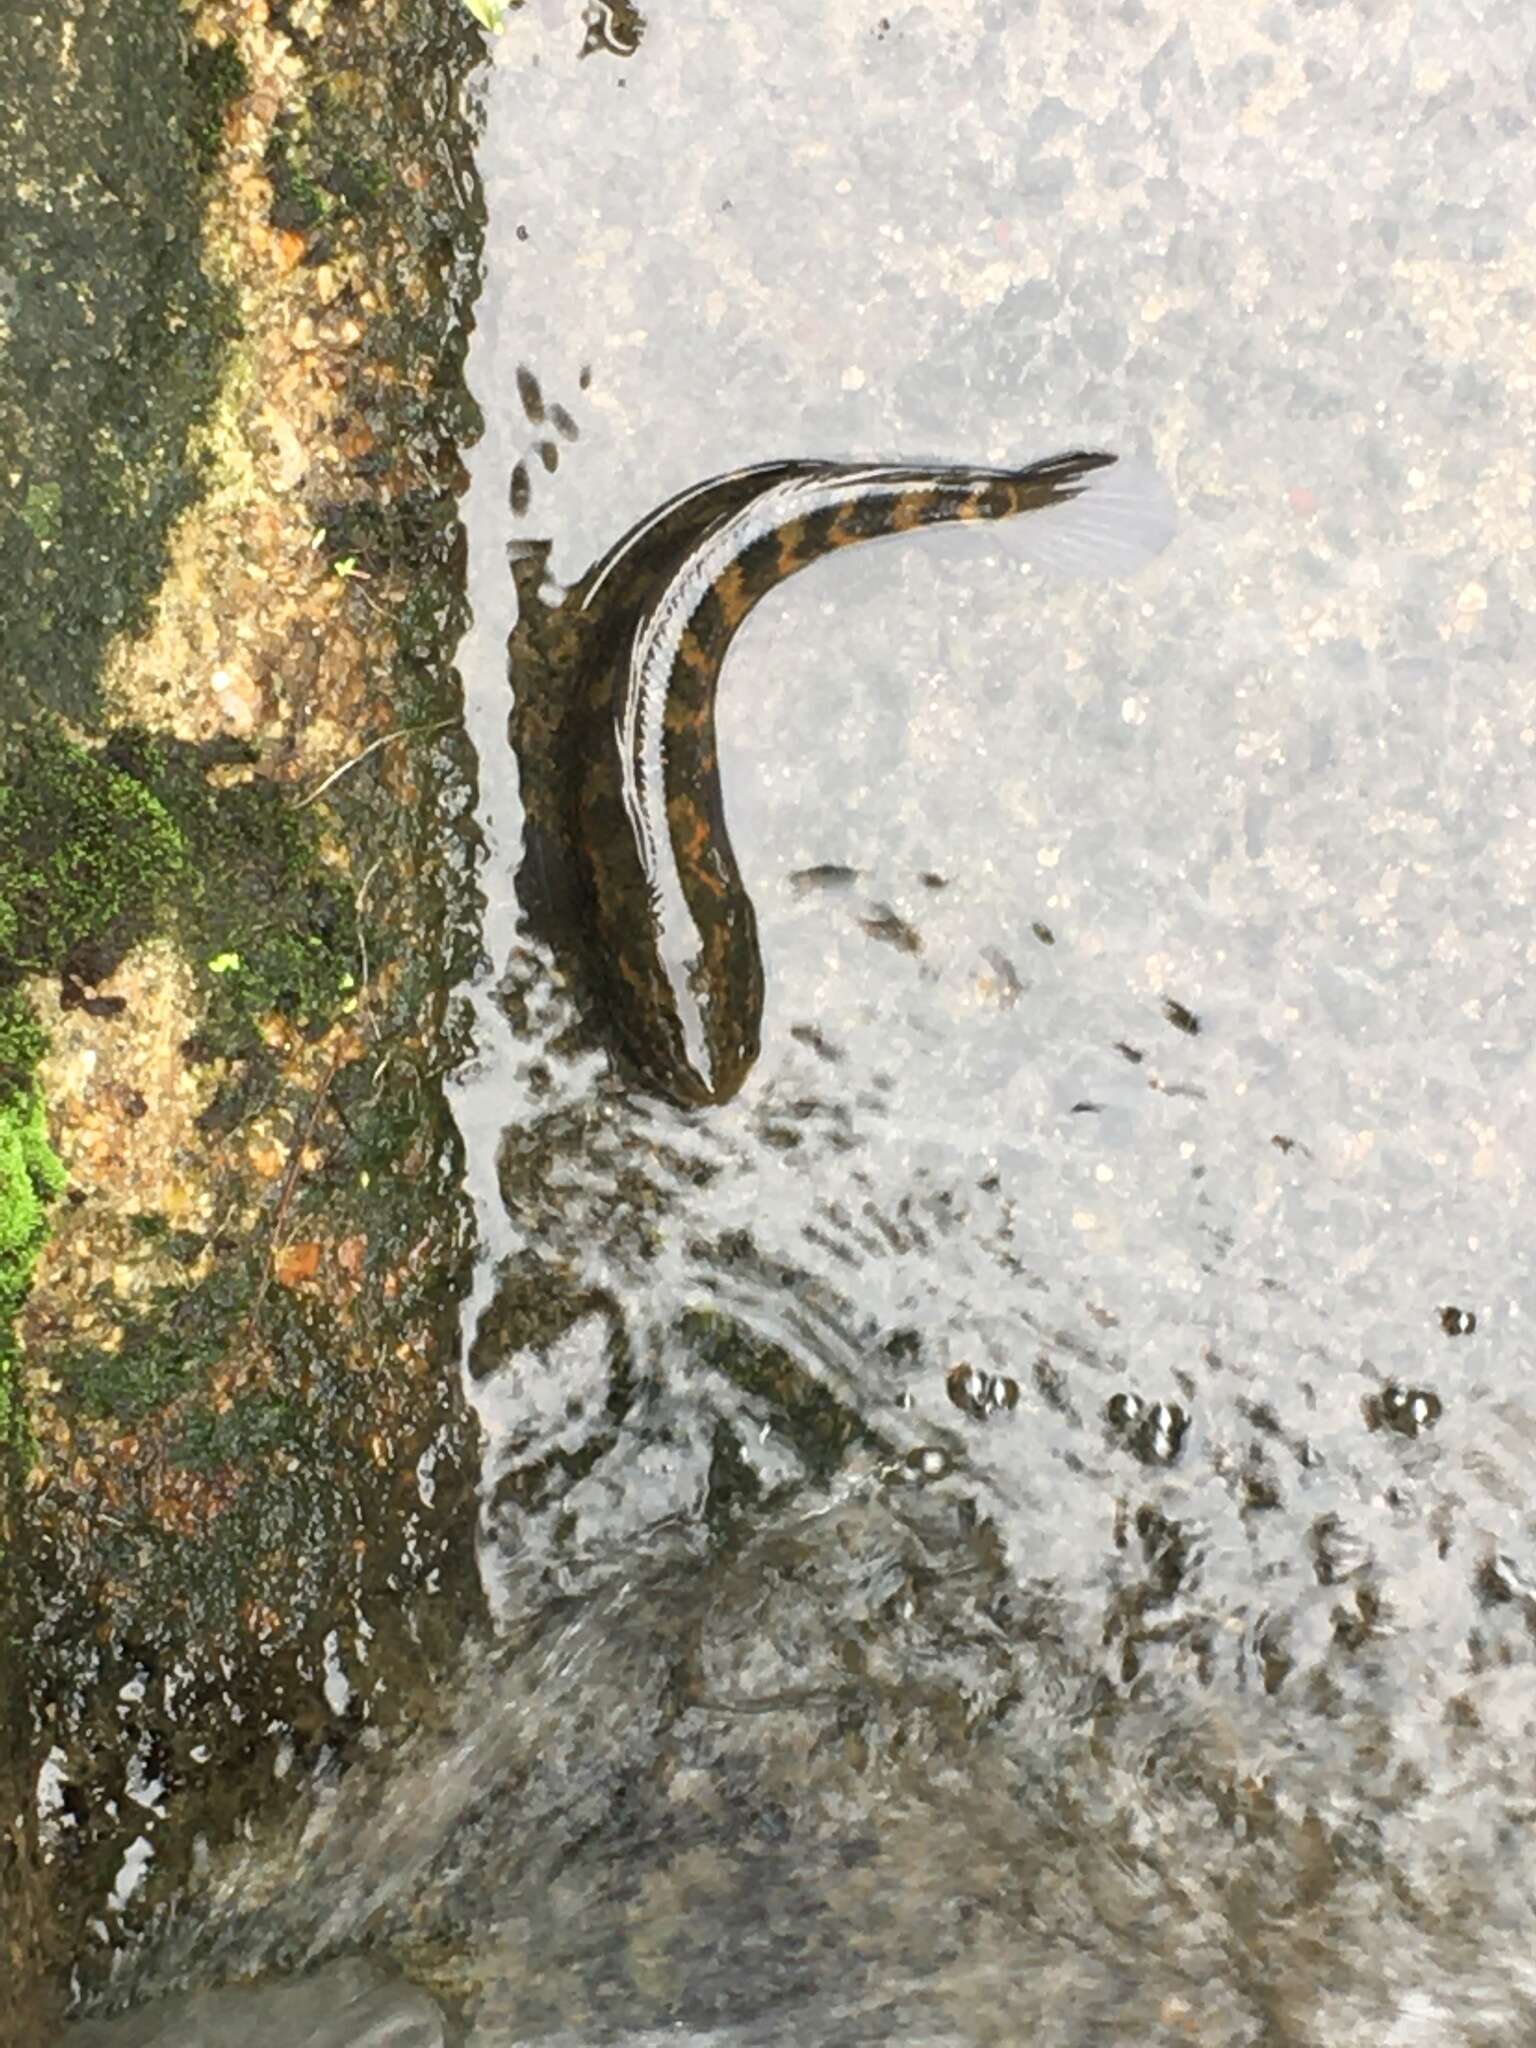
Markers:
(1179, 1017)
(828, 875)
(891, 929)
(1006, 985)
(531, 396)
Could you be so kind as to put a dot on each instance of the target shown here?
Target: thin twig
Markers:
(378, 1078)
(402, 732)
(358, 900)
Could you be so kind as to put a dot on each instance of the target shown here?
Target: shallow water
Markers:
(1184, 1690)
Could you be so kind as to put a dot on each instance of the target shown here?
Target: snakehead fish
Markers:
(641, 834)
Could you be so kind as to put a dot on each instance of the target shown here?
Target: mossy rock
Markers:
(268, 927)
(101, 847)
(115, 334)
(87, 855)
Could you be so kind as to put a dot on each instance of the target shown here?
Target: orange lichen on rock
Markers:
(295, 1263)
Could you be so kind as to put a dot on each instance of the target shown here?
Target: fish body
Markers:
(673, 934)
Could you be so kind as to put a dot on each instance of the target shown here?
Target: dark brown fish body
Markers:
(672, 931)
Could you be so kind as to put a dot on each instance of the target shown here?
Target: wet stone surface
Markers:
(234, 891)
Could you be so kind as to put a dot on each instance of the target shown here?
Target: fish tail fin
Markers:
(1104, 516)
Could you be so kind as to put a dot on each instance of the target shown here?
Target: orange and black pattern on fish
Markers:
(675, 933)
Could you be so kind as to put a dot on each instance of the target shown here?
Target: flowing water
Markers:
(1018, 1527)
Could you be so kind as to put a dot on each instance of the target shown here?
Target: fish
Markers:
(635, 823)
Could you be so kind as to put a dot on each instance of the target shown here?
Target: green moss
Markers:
(87, 856)
(184, 1246)
(266, 926)
(30, 1176)
(279, 917)
(314, 172)
(218, 77)
(40, 508)
(23, 1040)
(165, 1346)
(298, 203)
(299, 198)
(242, 1435)
(129, 1383)
(98, 849)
